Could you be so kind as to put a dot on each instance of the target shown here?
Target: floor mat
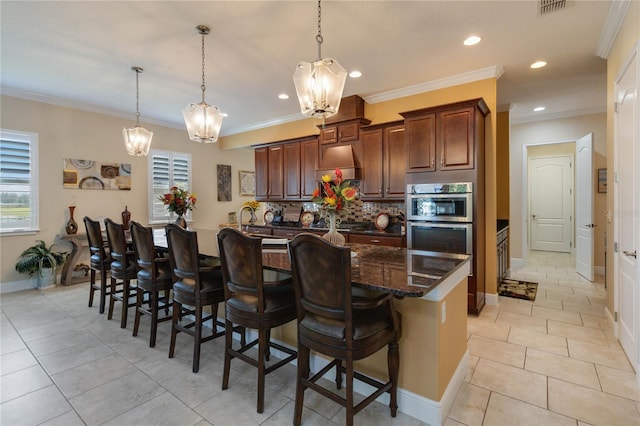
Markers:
(518, 289)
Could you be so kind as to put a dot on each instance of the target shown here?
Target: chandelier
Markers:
(137, 140)
(203, 121)
(319, 84)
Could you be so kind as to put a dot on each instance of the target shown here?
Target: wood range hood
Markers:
(341, 154)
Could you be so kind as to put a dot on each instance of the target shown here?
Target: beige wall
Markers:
(554, 131)
(628, 36)
(69, 133)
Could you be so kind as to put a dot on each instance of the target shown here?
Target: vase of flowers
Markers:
(179, 201)
(333, 196)
(253, 207)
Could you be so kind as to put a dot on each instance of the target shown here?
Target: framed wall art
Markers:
(89, 174)
(602, 180)
(224, 182)
(247, 183)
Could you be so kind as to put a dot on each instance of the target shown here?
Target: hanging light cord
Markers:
(137, 70)
(319, 38)
(202, 86)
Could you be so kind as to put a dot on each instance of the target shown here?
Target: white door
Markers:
(627, 201)
(551, 203)
(584, 206)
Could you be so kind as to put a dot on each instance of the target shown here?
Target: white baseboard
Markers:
(491, 299)
(611, 322)
(424, 409)
(517, 263)
(13, 286)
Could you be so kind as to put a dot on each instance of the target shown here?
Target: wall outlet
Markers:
(444, 312)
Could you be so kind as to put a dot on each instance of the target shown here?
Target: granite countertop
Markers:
(364, 228)
(395, 270)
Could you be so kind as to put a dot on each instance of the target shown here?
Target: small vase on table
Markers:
(180, 221)
(333, 236)
(72, 226)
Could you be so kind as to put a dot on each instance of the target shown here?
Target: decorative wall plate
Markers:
(381, 221)
(268, 217)
(306, 218)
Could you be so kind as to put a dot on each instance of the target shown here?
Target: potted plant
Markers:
(43, 260)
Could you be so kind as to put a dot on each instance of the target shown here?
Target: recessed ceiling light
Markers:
(538, 109)
(283, 96)
(538, 64)
(472, 40)
(355, 74)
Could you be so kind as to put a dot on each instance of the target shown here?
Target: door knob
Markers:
(630, 254)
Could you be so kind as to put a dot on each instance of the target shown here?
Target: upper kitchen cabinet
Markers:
(344, 126)
(286, 170)
(269, 172)
(383, 162)
(445, 137)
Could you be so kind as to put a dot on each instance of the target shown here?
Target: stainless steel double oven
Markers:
(440, 217)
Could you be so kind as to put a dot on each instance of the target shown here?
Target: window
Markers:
(18, 182)
(167, 169)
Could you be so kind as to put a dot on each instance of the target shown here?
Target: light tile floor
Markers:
(549, 362)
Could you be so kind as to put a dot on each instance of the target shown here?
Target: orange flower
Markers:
(334, 194)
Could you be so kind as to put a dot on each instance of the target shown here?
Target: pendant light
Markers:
(203, 121)
(319, 84)
(137, 139)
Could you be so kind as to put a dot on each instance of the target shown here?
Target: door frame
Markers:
(525, 197)
(634, 53)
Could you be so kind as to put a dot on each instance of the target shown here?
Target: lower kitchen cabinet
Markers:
(377, 240)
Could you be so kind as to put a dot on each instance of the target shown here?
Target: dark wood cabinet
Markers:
(446, 144)
(445, 137)
(338, 133)
(291, 168)
(383, 162)
(309, 165)
(286, 170)
(377, 240)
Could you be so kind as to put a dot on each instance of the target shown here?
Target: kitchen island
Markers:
(431, 295)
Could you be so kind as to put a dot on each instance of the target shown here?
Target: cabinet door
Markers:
(420, 140)
(329, 135)
(292, 171)
(262, 173)
(456, 139)
(394, 162)
(348, 132)
(276, 178)
(372, 179)
(309, 164)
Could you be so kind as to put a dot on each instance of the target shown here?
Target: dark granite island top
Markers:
(401, 272)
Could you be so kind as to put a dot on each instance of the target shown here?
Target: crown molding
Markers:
(558, 115)
(454, 80)
(612, 26)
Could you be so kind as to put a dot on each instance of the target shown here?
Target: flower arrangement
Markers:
(334, 194)
(253, 204)
(178, 200)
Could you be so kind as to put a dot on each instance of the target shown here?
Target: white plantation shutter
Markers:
(167, 169)
(18, 182)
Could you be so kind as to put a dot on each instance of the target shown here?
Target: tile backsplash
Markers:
(358, 211)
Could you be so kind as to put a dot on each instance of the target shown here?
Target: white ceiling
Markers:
(80, 53)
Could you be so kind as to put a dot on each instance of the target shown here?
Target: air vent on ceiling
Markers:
(548, 6)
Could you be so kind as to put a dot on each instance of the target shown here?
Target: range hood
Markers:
(339, 157)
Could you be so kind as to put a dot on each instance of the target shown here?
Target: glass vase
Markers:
(181, 221)
(333, 236)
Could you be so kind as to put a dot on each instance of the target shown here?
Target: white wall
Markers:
(69, 133)
(560, 130)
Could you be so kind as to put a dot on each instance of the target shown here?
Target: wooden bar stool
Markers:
(123, 270)
(100, 261)
(333, 322)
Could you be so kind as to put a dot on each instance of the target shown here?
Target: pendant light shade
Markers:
(137, 140)
(319, 84)
(203, 121)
